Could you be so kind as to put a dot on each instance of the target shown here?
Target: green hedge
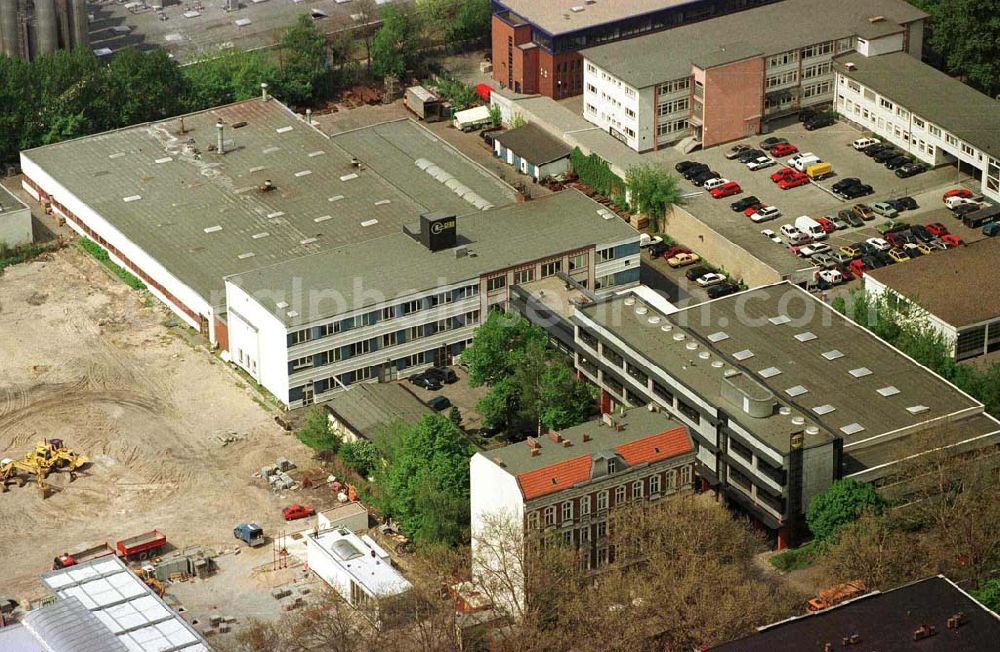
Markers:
(596, 173)
(100, 254)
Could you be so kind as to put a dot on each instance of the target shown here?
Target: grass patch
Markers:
(14, 255)
(101, 255)
(796, 559)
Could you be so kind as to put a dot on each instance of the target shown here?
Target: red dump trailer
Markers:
(142, 546)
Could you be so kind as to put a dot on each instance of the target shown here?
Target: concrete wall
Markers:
(739, 263)
(258, 341)
(494, 494)
(734, 97)
(15, 222)
(884, 45)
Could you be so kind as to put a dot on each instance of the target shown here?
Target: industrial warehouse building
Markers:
(314, 262)
(781, 394)
(936, 118)
(959, 295)
(726, 78)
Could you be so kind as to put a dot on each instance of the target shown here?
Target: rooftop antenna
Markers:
(263, 91)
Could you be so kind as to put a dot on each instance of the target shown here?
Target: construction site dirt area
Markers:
(175, 437)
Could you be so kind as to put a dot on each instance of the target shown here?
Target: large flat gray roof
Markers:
(931, 94)
(836, 362)
(654, 58)
(559, 17)
(202, 215)
(355, 276)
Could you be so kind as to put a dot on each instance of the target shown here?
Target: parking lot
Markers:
(831, 144)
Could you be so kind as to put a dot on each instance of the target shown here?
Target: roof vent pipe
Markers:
(309, 116)
(263, 91)
(221, 146)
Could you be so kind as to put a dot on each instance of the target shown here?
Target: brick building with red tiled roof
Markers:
(567, 482)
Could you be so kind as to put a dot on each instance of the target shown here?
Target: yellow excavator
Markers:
(47, 456)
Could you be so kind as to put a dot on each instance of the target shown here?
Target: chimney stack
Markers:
(183, 130)
(555, 436)
(263, 91)
(586, 438)
(221, 146)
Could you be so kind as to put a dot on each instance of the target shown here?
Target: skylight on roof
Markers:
(805, 337)
(131, 198)
(307, 241)
(248, 254)
(348, 177)
(917, 409)
(260, 167)
(383, 202)
(283, 130)
(335, 198)
(213, 229)
(282, 304)
(770, 372)
(718, 337)
(371, 222)
(852, 428)
(318, 152)
(798, 390)
(270, 150)
(258, 236)
(780, 319)
(860, 372)
(745, 354)
(303, 173)
(165, 159)
(322, 218)
(824, 409)
(888, 391)
(292, 313)
(833, 355)
(275, 214)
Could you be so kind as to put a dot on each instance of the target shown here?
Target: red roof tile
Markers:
(555, 477)
(656, 447)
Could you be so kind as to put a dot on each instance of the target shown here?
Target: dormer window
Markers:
(612, 465)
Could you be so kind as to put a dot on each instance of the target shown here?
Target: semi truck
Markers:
(75, 557)
(250, 534)
(142, 546)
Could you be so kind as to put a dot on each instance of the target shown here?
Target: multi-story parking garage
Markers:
(313, 261)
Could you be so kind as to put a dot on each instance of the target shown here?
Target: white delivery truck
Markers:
(472, 119)
(810, 227)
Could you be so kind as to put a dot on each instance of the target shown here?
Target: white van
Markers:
(862, 143)
(712, 184)
(810, 227)
(806, 161)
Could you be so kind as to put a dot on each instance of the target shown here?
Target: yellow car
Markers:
(922, 248)
(683, 259)
(898, 255)
(849, 251)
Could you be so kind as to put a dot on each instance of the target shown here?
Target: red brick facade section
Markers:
(520, 73)
(221, 334)
(734, 99)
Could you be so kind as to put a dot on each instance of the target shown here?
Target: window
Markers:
(567, 511)
(934, 131)
(568, 537)
(612, 356)
(817, 50)
(783, 59)
(629, 132)
(591, 108)
(688, 411)
(675, 86)
(629, 92)
(789, 77)
(637, 490)
(550, 268)
(967, 149)
(533, 520)
(741, 450)
(604, 255)
(816, 70)
(389, 339)
(524, 276)
(672, 127)
(620, 495)
(495, 283)
(885, 104)
(602, 501)
(845, 44)
(951, 140)
(298, 337)
(629, 112)
(591, 87)
(686, 474)
(585, 505)
(672, 479)
(674, 106)
(612, 466)
(550, 515)
(578, 261)
(602, 530)
(411, 306)
(663, 393)
(302, 363)
(591, 68)
(654, 485)
(822, 88)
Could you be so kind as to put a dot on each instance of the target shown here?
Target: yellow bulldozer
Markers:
(47, 456)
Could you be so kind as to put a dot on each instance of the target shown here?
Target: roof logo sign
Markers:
(213, 229)
(323, 218)
(824, 409)
(165, 159)
(860, 372)
(888, 391)
(805, 337)
(718, 337)
(318, 152)
(780, 319)
(335, 198)
(348, 177)
(383, 202)
(303, 173)
(283, 130)
(745, 354)
(833, 355)
(258, 236)
(371, 222)
(131, 198)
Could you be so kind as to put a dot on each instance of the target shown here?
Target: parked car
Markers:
(819, 121)
(917, 249)
(726, 190)
(936, 229)
(771, 235)
(884, 209)
(898, 255)
(838, 222)
(879, 244)
(693, 170)
(442, 374)
(760, 163)
(750, 210)
(806, 113)
(296, 511)
(783, 173)
(958, 200)
(712, 278)
(951, 240)
(722, 290)
(885, 155)
(850, 217)
(439, 403)
(921, 233)
(766, 213)
(827, 225)
(831, 276)
(744, 203)
(858, 267)
(750, 155)
(904, 203)
(845, 183)
(859, 190)
(910, 169)
(798, 157)
(736, 150)
(646, 240)
(956, 192)
(850, 250)
(790, 231)
(703, 176)
(814, 248)
(841, 257)
(962, 210)
(992, 229)
(684, 166)
(897, 162)
(872, 150)
(824, 260)
(862, 143)
(795, 181)
(658, 249)
(768, 143)
(783, 149)
(425, 381)
(682, 259)
(695, 273)
(712, 184)
(675, 250)
(845, 271)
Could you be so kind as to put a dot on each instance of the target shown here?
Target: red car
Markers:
(826, 224)
(753, 209)
(673, 251)
(857, 267)
(726, 189)
(793, 181)
(784, 149)
(293, 512)
(951, 239)
(957, 192)
(936, 228)
(783, 173)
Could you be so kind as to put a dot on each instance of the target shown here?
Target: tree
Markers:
(989, 594)
(425, 483)
(145, 86)
(394, 49)
(471, 21)
(875, 550)
(455, 416)
(563, 399)
(652, 190)
(361, 455)
(316, 432)
(967, 34)
(367, 12)
(498, 345)
(844, 502)
(303, 62)
(230, 77)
